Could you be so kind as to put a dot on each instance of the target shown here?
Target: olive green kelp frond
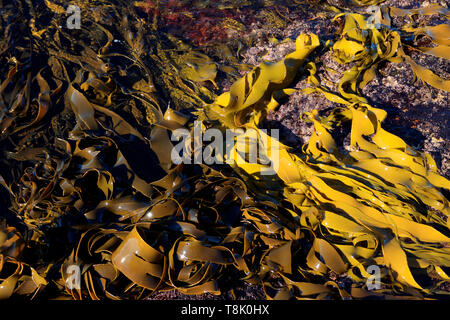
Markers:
(367, 45)
(248, 97)
(382, 203)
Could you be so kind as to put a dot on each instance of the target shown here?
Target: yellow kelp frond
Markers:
(197, 67)
(381, 203)
(248, 97)
(431, 9)
(367, 45)
(439, 35)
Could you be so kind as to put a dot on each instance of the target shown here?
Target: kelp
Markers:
(366, 47)
(249, 94)
(384, 163)
(99, 192)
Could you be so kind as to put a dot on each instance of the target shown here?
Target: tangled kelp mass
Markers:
(87, 178)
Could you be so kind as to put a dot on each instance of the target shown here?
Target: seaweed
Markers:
(86, 120)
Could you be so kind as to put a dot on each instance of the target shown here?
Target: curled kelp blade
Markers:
(192, 245)
(107, 215)
(251, 93)
(366, 45)
(327, 179)
(16, 277)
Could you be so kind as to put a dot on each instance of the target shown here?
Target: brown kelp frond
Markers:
(101, 211)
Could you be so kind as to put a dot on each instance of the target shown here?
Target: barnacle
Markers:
(98, 190)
